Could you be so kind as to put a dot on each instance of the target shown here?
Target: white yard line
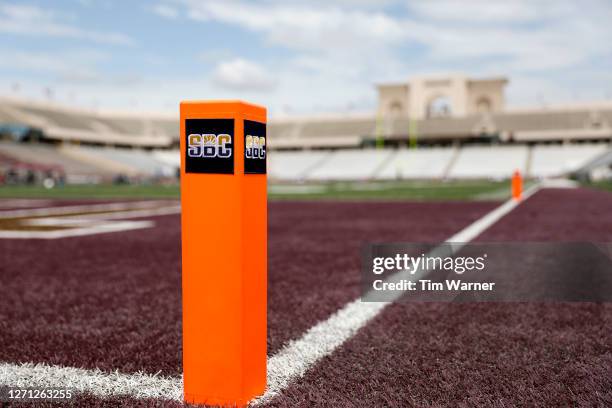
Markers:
(287, 365)
(293, 360)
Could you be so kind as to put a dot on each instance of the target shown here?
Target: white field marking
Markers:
(290, 363)
(122, 206)
(297, 356)
(96, 382)
(23, 203)
(90, 224)
(86, 228)
(153, 212)
(471, 231)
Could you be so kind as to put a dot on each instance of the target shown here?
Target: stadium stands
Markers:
(77, 170)
(170, 158)
(66, 124)
(126, 161)
(128, 126)
(352, 165)
(557, 160)
(294, 166)
(426, 163)
(168, 127)
(541, 120)
(338, 127)
(494, 162)
(438, 127)
(159, 131)
(497, 162)
(311, 140)
(6, 117)
(282, 130)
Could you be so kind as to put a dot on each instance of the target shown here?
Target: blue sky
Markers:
(298, 56)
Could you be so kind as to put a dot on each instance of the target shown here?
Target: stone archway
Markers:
(484, 105)
(439, 106)
(396, 108)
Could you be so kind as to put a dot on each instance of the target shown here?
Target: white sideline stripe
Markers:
(94, 382)
(293, 360)
(290, 363)
(476, 228)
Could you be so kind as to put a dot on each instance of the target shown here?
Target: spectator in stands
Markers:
(11, 176)
(30, 178)
(121, 179)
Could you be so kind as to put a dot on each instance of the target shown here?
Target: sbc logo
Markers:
(209, 145)
(255, 147)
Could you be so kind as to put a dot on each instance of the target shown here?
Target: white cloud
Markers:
(77, 63)
(165, 10)
(35, 21)
(486, 11)
(327, 54)
(240, 74)
(302, 26)
(522, 34)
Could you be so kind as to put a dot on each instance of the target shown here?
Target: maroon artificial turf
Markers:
(482, 354)
(112, 301)
(315, 248)
(477, 354)
(557, 214)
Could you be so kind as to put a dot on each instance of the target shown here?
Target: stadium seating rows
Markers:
(83, 162)
(351, 165)
(417, 164)
(132, 161)
(158, 131)
(555, 160)
(294, 165)
(492, 162)
(49, 156)
(495, 162)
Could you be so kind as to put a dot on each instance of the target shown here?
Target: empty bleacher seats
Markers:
(128, 161)
(493, 162)
(556, 160)
(169, 157)
(352, 165)
(294, 165)
(424, 163)
(51, 156)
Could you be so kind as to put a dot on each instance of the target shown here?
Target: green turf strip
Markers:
(600, 185)
(392, 190)
(91, 191)
(396, 190)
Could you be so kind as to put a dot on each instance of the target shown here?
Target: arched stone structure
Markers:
(466, 96)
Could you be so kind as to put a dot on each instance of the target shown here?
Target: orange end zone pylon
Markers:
(224, 248)
(517, 185)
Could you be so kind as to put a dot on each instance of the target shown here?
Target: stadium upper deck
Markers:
(64, 124)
